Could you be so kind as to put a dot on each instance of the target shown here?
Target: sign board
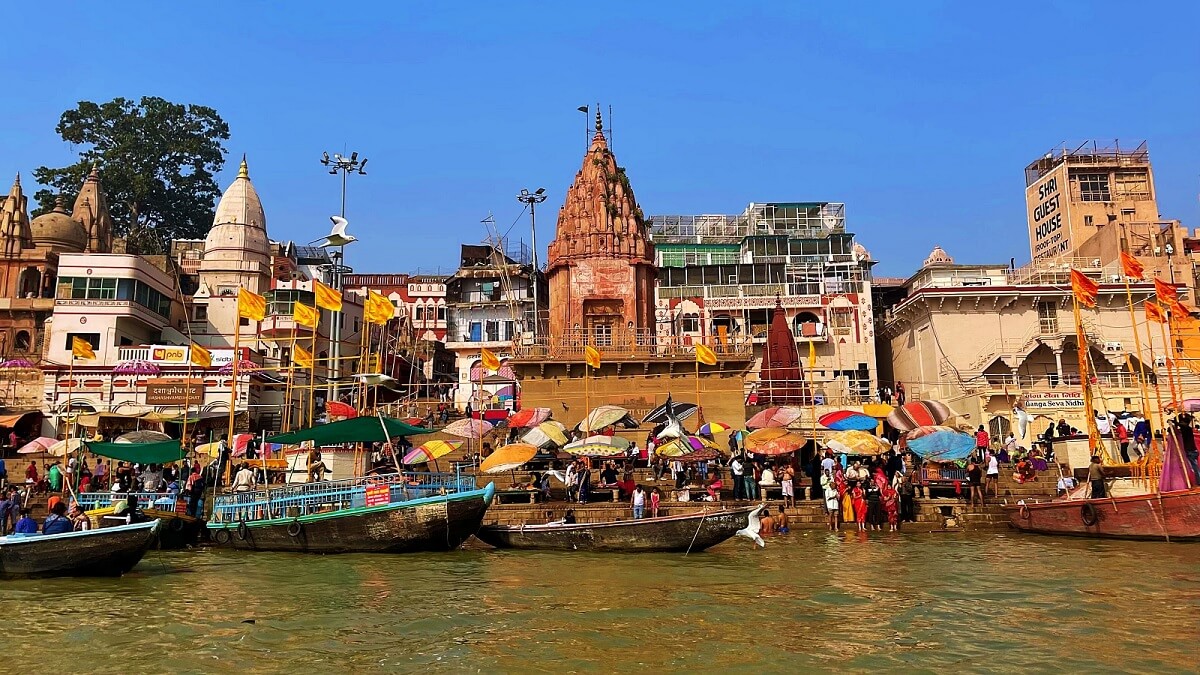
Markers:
(169, 354)
(1054, 400)
(1049, 227)
(174, 392)
(378, 495)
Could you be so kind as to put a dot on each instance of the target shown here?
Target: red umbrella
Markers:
(529, 417)
(919, 414)
(777, 416)
(339, 409)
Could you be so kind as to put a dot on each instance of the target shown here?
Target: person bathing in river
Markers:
(781, 522)
(858, 498)
(832, 498)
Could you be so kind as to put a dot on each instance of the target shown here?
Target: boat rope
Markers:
(703, 515)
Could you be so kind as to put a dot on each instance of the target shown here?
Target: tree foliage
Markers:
(157, 162)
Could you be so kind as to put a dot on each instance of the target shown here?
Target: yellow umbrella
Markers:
(549, 431)
(856, 442)
(878, 409)
(760, 437)
(430, 451)
(508, 458)
(679, 447)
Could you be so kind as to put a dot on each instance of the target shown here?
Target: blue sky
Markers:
(920, 116)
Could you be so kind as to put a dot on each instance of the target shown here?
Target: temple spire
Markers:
(14, 220)
(91, 211)
(243, 169)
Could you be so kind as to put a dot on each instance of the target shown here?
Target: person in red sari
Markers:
(891, 506)
(860, 506)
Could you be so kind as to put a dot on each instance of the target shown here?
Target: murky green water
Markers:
(808, 602)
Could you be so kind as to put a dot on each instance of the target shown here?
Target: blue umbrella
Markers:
(940, 444)
(848, 420)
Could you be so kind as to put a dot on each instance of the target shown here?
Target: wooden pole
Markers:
(237, 344)
(1166, 355)
(1162, 417)
(699, 411)
(1081, 347)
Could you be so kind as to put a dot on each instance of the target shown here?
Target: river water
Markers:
(809, 601)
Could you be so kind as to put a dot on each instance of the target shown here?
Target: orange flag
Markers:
(1178, 309)
(251, 305)
(489, 360)
(1165, 292)
(1132, 267)
(1155, 313)
(591, 356)
(1084, 288)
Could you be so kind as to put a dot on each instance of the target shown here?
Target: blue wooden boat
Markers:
(108, 552)
(394, 513)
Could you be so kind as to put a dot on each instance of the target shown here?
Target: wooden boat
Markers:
(178, 530)
(1130, 513)
(400, 513)
(690, 532)
(108, 552)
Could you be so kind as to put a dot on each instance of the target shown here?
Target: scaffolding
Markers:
(808, 220)
(1088, 153)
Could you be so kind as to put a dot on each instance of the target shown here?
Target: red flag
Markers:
(1155, 313)
(1132, 267)
(1166, 292)
(1084, 288)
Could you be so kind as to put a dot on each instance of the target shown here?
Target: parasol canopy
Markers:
(468, 428)
(355, 430)
(529, 417)
(156, 452)
(429, 451)
(243, 366)
(607, 416)
(940, 444)
(775, 416)
(759, 437)
(42, 444)
(783, 445)
(878, 409)
(845, 420)
(340, 409)
(713, 428)
(599, 446)
(856, 443)
(658, 414)
(143, 436)
(919, 414)
(508, 457)
(61, 448)
(1190, 405)
(547, 433)
(136, 367)
(679, 447)
(705, 455)
(17, 363)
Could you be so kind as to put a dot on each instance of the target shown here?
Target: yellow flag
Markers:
(705, 355)
(81, 349)
(378, 309)
(327, 298)
(251, 305)
(812, 356)
(200, 356)
(489, 360)
(302, 357)
(591, 356)
(304, 315)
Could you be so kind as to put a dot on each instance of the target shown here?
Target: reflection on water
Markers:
(809, 600)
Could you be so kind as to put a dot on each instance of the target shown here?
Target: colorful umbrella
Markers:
(658, 414)
(468, 428)
(1190, 405)
(42, 444)
(786, 444)
(508, 458)
(714, 428)
(429, 451)
(599, 446)
(940, 444)
(777, 416)
(705, 455)
(529, 417)
(346, 411)
(136, 367)
(17, 363)
(879, 410)
(856, 443)
(760, 437)
(678, 447)
(243, 367)
(845, 420)
(606, 416)
(143, 436)
(919, 414)
(545, 434)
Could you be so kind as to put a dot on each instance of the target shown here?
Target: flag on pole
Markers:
(1178, 309)
(302, 357)
(1165, 291)
(327, 298)
(812, 355)
(1132, 267)
(200, 356)
(1084, 288)
(489, 360)
(378, 309)
(591, 356)
(251, 305)
(1155, 313)
(304, 315)
(81, 349)
(705, 355)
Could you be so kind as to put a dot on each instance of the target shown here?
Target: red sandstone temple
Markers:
(781, 377)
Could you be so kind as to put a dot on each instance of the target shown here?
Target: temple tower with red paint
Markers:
(782, 377)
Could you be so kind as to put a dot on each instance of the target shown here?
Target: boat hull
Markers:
(693, 532)
(1173, 516)
(107, 552)
(439, 523)
(175, 532)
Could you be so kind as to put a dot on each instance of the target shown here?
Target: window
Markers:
(92, 338)
(243, 321)
(476, 331)
(22, 341)
(1048, 317)
(1087, 220)
(841, 322)
(441, 313)
(493, 331)
(419, 313)
(1093, 187)
(509, 330)
(602, 334)
(689, 323)
(199, 312)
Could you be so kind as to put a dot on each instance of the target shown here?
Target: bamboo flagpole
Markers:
(705, 355)
(592, 359)
(1132, 268)
(1084, 290)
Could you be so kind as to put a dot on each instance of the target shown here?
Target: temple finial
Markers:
(599, 120)
(243, 170)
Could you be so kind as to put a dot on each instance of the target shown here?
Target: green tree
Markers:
(157, 162)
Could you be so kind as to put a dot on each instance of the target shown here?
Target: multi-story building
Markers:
(720, 277)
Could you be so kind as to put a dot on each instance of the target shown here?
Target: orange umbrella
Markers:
(785, 444)
(759, 437)
(779, 416)
(508, 458)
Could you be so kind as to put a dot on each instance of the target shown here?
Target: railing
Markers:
(625, 344)
(298, 500)
(943, 473)
(145, 500)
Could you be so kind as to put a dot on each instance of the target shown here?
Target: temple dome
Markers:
(58, 229)
(938, 256)
(240, 224)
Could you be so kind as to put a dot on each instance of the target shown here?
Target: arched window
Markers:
(807, 324)
(30, 283)
(22, 342)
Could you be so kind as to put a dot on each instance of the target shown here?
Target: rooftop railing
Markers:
(638, 343)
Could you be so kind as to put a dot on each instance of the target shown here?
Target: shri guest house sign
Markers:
(1049, 226)
(174, 392)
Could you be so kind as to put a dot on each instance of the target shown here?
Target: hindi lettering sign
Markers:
(378, 495)
(174, 392)
(1054, 400)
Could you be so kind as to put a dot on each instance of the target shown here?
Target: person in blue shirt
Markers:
(26, 525)
(58, 522)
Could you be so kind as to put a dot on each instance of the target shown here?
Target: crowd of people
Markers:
(870, 496)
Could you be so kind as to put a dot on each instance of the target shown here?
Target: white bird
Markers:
(378, 380)
(337, 236)
(562, 477)
(753, 524)
(674, 428)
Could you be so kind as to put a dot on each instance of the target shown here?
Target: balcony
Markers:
(625, 345)
(27, 304)
(283, 326)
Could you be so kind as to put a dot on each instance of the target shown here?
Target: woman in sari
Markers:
(859, 502)
(891, 506)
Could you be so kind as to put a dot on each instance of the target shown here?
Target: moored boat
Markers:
(397, 513)
(1130, 513)
(688, 532)
(106, 552)
(178, 530)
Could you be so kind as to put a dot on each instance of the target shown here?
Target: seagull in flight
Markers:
(750, 531)
(378, 380)
(337, 236)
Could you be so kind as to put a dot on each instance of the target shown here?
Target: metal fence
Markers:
(145, 500)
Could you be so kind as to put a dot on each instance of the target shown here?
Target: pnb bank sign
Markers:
(1049, 229)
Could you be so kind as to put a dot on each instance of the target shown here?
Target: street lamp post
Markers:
(345, 166)
(533, 199)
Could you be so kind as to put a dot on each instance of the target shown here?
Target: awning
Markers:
(141, 453)
(11, 420)
(357, 430)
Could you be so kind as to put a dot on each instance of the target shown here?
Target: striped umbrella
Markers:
(680, 447)
(777, 416)
(919, 414)
(714, 428)
(429, 451)
(844, 420)
(940, 444)
(468, 428)
(529, 417)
